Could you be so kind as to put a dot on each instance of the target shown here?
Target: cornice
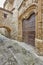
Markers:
(6, 10)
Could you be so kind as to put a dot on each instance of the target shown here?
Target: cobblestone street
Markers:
(13, 52)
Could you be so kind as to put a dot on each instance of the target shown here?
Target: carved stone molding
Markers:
(25, 15)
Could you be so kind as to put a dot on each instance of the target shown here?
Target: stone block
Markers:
(39, 46)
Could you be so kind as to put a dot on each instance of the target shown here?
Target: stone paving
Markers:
(13, 52)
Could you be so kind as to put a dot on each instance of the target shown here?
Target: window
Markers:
(5, 15)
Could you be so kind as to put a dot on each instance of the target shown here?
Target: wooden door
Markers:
(28, 30)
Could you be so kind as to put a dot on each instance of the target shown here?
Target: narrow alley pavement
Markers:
(13, 52)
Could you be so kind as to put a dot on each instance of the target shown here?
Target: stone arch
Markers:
(8, 30)
(31, 9)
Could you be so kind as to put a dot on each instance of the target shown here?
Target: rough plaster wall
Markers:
(4, 32)
(5, 20)
(9, 6)
(17, 3)
(11, 21)
(14, 32)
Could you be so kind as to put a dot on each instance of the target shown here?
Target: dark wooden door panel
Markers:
(28, 27)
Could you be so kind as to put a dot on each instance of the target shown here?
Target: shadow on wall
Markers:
(5, 31)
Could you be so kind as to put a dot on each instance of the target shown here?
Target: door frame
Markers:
(25, 15)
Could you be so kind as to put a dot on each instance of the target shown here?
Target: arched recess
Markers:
(31, 9)
(7, 32)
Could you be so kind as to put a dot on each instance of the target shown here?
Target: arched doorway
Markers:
(28, 30)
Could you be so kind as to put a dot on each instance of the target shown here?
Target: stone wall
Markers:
(9, 21)
(4, 32)
(39, 31)
(8, 5)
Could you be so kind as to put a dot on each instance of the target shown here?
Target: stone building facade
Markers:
(23, 20)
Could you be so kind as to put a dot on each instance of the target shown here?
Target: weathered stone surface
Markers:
(4, 32)
(13, 52)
